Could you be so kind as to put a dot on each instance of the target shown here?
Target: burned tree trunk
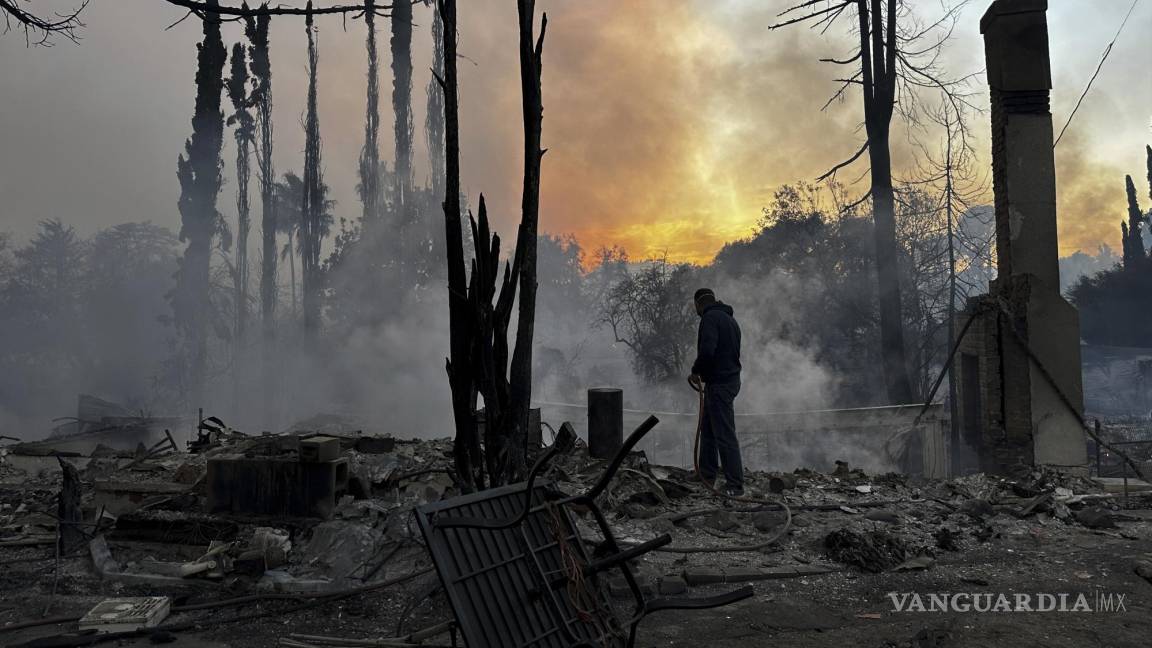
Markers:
(479, 314)
(466, 449)
(402, 97)
(490, 346)
(887, 56)
(403, 276)
(312, 206)
(198, 171)
(241, 118)
(370, 154)
(531, 50)
(68, 510)
(878, 65)
(256, 30)
(434, 119)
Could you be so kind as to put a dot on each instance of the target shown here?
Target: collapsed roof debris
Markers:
(148, 525)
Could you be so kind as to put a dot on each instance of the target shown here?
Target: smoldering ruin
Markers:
(427, 418)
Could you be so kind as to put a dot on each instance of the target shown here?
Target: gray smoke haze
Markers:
(669, 125)
(668, 122)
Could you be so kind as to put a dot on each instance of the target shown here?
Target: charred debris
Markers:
(290, 529)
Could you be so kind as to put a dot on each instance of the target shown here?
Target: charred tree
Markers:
(69, 514)
(489, 347)
(892, 62)
(1133, 244)
(1148, 162)
(312, 201)
(466, 445)
(370, 154)
(479, 311)
(402, 100)
(402, 276)
(954, 173)
(289, 196)
(39, 30)
(198, 171)
(256, 30)
(531, 52)
(242, 119)
(434, 119)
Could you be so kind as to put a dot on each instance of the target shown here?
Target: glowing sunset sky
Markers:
(669, 123)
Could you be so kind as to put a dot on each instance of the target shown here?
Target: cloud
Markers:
(669, 123)
(1090, 196)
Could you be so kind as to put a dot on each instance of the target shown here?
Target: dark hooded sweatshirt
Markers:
(718, 346)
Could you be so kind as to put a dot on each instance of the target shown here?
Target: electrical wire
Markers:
(1107, 51)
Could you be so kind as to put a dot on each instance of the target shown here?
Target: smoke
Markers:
(384, 379)
(778, 374)
(1090, 195)
(659, 116)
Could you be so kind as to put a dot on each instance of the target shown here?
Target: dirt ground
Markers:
(1039, 534)
(845, 608)
(838, 609)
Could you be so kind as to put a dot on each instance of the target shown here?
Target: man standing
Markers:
(716, 372)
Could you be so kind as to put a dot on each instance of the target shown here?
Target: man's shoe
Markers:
(734, 492)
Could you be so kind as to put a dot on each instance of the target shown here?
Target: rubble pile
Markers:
(153, 527)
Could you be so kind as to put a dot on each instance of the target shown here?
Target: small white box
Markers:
(126, 614)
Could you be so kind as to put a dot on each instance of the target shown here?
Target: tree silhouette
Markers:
(198, 171)
(241, 118)
(1133, 240)
(312, 227)
(39, 30)
(256, 31)
(897, 58)
(369, 186)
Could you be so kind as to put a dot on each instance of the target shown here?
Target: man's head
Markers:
(703, 298)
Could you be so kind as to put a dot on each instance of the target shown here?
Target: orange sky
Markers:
(669, 123)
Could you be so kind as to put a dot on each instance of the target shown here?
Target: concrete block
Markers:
(375, 445)
(672, 586)
(319, 449)
(275, 486)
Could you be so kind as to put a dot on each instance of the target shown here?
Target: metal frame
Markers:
(512, 560)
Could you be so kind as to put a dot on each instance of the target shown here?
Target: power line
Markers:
(1107, 51)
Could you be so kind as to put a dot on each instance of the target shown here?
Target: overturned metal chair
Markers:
(518, 574)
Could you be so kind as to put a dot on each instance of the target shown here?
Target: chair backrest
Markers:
(509, 588)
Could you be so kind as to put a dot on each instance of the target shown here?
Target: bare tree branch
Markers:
(200, 7)
(831, 173)
(827, 10)
(842, 61)
(39, 30)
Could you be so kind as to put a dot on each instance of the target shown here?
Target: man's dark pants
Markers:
(718, 441)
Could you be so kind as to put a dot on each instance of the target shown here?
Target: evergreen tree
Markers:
(242, 119)
(311, 211)
(402, 98)
(1134, 241)
(434, 120)
(256, 30)
(1148, 162)
(370, 154)
(198, 171)
(402, 255)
